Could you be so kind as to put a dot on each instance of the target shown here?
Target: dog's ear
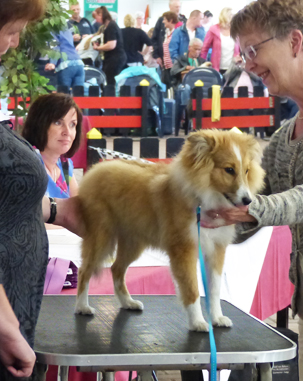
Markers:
(202, 143)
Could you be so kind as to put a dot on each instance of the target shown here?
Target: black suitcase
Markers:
(169, 117)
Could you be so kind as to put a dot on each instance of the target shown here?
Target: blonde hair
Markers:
(129, 21)
(224, 17)
(275, 17)
(88, 41)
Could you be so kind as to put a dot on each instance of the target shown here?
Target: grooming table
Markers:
(156, 338)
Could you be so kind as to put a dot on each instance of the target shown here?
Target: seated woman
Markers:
(53, 126)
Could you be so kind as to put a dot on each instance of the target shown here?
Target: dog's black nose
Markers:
(246, 200)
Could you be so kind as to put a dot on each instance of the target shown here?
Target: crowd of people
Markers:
(37, 181)
(101, 43)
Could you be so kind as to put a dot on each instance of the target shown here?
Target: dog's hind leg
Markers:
(215, 263)
(183, 263)
(127, 252)
(95, 253)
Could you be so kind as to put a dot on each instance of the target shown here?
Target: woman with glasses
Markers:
(218, 38)
(270, 33)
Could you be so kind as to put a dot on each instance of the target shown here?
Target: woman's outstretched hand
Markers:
(226, 216)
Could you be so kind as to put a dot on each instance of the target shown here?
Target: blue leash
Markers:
(213, 349)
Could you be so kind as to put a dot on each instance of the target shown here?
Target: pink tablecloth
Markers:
(274, 289)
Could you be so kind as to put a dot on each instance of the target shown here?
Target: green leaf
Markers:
(15, 79)
(23, 77)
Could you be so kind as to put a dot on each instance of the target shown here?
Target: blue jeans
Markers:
(71, 76)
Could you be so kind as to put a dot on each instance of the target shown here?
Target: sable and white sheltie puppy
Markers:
(135, 205)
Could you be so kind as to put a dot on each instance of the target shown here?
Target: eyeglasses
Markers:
(249, 53)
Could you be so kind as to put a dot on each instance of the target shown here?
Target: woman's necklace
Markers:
(300, 117)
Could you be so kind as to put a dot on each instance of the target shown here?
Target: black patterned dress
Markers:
(23, 239)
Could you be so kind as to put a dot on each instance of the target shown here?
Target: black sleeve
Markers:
(110, 33)
(145, 39)
(178, 66)
(156, 38)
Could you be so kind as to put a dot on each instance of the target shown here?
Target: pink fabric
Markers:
(274, 289)
(80, 157)
(213, 40)
(55, 275)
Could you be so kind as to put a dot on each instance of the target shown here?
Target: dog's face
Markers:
(225, 162)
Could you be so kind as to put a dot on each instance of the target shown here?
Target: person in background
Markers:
(192, 29)
(235, 76)
(86, 51)
(270, 33)
(96, 23)
(80, 26)
(159, 31)
(188, 61)
(149, 60)
(134, 40)
(23, 208)
(114, 15)
(207, 21)
(140, 18)
(170, 19)
(114, 53)
(69, 71)
(218, 38)
(53, 127)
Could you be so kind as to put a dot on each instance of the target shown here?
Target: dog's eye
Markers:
(230, 171)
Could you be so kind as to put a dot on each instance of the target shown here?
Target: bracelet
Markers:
(53, 211)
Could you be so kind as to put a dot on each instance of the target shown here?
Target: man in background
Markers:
(159, 31)
(188, 61)
(80, 26)
(180, 39)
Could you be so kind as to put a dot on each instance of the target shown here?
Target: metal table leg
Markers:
(63, 373)
(108, 376)
(145, 375)
(265, 372)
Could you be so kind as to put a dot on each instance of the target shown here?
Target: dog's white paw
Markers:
(84, 310)
(199, 326)
(222, 321)
(131, 304)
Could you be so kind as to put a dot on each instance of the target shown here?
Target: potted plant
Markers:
(20, 78)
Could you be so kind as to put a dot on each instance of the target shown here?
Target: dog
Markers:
(133, 205)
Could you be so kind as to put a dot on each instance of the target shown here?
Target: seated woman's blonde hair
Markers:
(88, 41)
(129, 21)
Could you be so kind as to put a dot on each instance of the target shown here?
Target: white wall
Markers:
(158, 7)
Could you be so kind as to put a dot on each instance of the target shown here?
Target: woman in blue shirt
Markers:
(53, 126)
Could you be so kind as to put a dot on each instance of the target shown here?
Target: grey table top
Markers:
(119, 339)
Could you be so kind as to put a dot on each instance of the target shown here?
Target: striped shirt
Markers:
(166, 56)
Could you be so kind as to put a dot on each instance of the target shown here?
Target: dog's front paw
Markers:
(131, 304)
(199, 326)
(84, 310)
(222, 321)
